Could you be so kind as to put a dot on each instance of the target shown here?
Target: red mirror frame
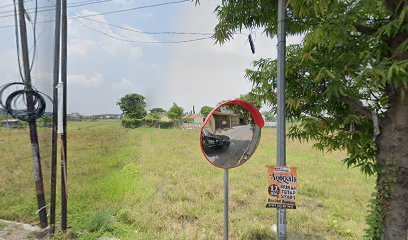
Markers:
(256, 115)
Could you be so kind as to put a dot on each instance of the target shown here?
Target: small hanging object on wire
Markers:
(251, 43)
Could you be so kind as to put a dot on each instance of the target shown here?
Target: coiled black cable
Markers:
(18, 98)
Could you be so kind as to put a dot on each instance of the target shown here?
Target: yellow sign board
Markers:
(282, 187)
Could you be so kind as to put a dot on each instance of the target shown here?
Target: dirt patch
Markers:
(19, 231)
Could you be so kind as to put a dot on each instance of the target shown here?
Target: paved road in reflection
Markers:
(240, 138)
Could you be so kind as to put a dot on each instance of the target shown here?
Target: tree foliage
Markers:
(347, 83)
(157, 110)
(269, 116)
(133, 105)
(175, 112)
(342, 73)
(205, 110)
(155, 113)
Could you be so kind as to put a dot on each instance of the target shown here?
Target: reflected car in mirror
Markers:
(213, 142)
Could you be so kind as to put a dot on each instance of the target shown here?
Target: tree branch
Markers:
(394, 6)
(357, 106)
(365, 29)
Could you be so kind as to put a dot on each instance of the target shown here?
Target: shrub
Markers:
(146, 122)
(100, 220)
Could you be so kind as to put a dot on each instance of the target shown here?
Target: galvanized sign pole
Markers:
(225, 204)
(281, 149)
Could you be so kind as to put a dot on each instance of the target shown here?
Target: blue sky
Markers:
(102, 69)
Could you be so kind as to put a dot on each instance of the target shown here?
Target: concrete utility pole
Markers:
(281, 126)
(64, 193)
(42, 211)
(57, 41)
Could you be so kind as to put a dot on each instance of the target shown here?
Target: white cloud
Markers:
(99, 34)
(79, 46)
(123, 84)
(80, 79)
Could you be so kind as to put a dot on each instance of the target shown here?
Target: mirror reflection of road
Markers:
(240, 138)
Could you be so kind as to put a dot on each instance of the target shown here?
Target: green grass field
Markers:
(155, 184)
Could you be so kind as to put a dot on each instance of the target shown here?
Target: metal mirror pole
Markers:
(281, 151)
(225, 204)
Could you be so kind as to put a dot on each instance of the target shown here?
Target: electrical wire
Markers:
(153, 33)
(9, 5)
(134, 8)
(115, 11)
(17, 42)
(139, 41)
(111, 12)
(51, 8)
(34, 35)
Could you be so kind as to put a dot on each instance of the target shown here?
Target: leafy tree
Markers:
(133, 106)
(156, 112)
(252, 99)
(347, 83)
(245, 114)
(205, 110)
(269, 116)
(175, 112)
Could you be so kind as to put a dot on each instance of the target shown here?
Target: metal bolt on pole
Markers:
(281, 128)
(225, 204)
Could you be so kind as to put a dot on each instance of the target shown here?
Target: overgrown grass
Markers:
(155, 184)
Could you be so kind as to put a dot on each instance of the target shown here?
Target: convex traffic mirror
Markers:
(231, 133)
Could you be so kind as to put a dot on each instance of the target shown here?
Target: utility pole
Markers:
(281, 126)
(57, 39)
(64, 198)
(42, 211)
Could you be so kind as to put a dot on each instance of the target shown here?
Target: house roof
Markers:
(225, 114)
(192, 116)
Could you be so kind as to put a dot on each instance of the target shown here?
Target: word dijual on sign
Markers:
(282, 187)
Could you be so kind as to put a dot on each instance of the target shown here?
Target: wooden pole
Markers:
(39, 186)
(57, 40)
(64, 192)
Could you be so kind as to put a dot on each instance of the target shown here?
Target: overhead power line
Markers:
(10, 5)
(146, 32)
(140, 41)
(109, 12)
(115, 11)
(133, 8)
(86, 17)
(52, 8)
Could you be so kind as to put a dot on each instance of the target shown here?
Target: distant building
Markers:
(194, 118)
(107, 116)
(11, 123)
(192, 121)
(223, 119)
(74, 117)
(164, 117)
